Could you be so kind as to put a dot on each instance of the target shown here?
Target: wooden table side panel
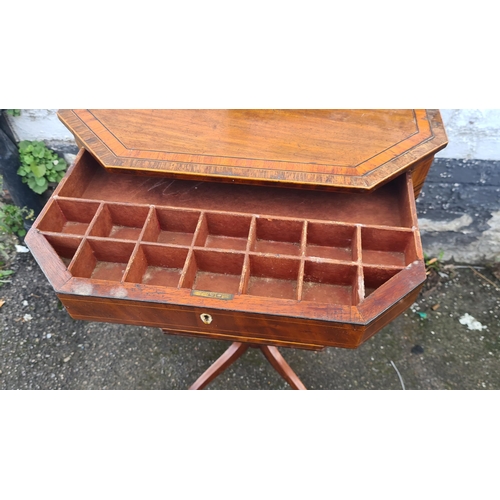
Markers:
(247, 339)
(393, 291)
(157, 297)
(419, 174)
(50, 263)
(240, 326)
(389, 315)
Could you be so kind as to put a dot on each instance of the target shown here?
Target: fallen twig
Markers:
(399, 375)
(454, 266)
(484, 278)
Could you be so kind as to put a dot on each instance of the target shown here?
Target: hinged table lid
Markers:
(351, 149)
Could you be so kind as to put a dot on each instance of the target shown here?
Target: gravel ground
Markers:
(41, 347)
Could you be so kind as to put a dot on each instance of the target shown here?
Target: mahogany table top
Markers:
(324, 149)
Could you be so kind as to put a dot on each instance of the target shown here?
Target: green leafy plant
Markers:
(4, 273)
(13, 112)
(434, 262)
(39, 165)
(12, 219)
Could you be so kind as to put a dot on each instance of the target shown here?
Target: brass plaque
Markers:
(212, 295)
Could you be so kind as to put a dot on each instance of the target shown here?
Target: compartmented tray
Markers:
(266, 265)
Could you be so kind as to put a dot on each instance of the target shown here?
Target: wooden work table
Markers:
(268, 228)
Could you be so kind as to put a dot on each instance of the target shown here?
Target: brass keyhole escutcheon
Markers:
(206, 318)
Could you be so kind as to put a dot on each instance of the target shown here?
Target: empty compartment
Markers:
(329, 283)
(277, 236)
(157, 265)
(173, 227)
(387, 247)
(224, 231)
(330, 241)
(375, 277)
(100, 260)
(214, 271)
(64, 246)
(273, 277)
(68, 216)
(122, 222)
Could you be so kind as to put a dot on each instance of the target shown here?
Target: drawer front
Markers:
(217, 324)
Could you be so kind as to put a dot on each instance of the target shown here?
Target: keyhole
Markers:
(206, 318)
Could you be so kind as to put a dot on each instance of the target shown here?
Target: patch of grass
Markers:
(4, 257)
(4, 273)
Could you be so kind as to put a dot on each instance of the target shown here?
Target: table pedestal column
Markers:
(235, 350)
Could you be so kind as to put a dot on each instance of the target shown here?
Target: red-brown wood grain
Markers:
(326, 149)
